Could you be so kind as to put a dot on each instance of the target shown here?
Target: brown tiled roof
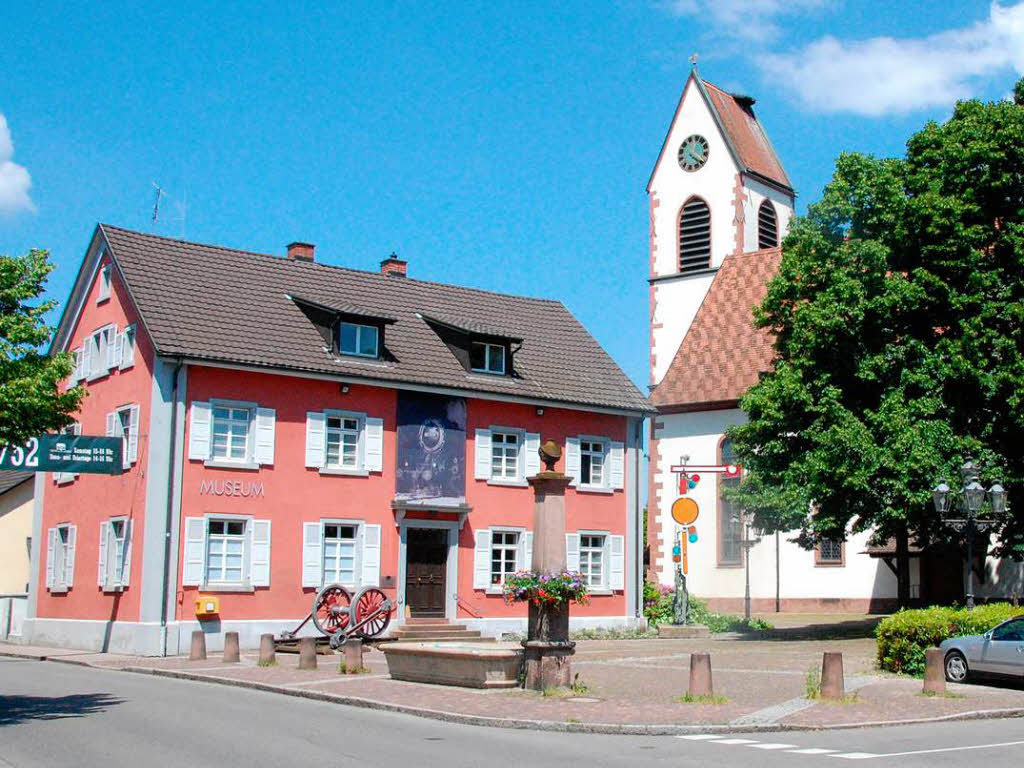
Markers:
(747, 135)
(10, 479)
(219, 304)
(723, 354)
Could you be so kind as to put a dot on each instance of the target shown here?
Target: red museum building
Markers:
(288, 424)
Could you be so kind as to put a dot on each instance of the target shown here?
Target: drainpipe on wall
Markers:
(638, 521)
(170, 510)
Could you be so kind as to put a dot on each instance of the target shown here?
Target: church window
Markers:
(694, 236)
(767, 226)
(730, 518)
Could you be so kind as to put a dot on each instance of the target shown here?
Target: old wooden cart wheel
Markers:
(367, 602)
(331, 608)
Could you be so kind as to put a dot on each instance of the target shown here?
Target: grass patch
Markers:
(267, 663)
(344, 670)
(688, 699)
(573, 720)
(946, 695)
(813, 683)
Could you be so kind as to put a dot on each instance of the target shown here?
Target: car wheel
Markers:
(956, 667)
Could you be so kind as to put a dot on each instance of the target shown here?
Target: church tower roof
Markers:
(748, 143)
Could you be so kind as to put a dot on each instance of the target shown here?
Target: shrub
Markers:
(904, 637)
(657, 603)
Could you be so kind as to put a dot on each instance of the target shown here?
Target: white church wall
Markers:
(755, 194)
(675, 305)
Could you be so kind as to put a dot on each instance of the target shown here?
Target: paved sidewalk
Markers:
(631, 686)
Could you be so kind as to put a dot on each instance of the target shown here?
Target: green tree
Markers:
(31, 402)
(898, 312)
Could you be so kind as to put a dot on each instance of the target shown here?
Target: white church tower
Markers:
(720, 204)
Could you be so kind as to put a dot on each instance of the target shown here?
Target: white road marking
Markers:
(735, 741)
(865, 755)
(813, 751)
(857, 755)
(771, 746)
(700, 737)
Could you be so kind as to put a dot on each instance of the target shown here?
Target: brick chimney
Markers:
(301, 251)
(393, 266)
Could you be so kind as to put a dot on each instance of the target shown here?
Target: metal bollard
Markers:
(700, 676)
(353, 650)
(198, 650)
(231, 653)
(934, 674)
(832, 684)
(307, 653)
(268, 657)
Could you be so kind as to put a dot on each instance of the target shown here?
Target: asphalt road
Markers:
(61, 715)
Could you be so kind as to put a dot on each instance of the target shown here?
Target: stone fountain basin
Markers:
(464, 664)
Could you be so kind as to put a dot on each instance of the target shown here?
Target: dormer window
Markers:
(487, 358)
(356, 339)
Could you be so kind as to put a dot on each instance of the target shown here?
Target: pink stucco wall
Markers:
(91, 499)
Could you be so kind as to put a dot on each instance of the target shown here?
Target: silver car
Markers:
(1000, 651)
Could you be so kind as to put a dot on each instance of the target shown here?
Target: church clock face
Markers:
(693, 153)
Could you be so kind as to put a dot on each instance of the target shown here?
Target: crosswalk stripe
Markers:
(771, 746)
(855, 755)
(701, 737)
(735, 741)
(813, 751)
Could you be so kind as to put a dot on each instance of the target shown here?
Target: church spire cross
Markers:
(693, 59)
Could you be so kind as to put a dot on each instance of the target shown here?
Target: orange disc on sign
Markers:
(685, 511)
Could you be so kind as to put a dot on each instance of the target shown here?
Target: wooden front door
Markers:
(426, 561)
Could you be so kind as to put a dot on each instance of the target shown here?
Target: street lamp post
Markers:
(746, 542)
(972, 497)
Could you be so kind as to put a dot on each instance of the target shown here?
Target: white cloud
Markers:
(885, 75)
(750, 20)
(14, 179)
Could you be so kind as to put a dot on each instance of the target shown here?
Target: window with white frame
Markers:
(124, 423)
(339, 553)
(97, 352)
(504, 555)
(104, 291)
(60, 557)
(126, 344)
(487, 358)
(225, 551)
(505, 446)
(342, 442)
(71, 430)
(115, 553)
(231, 433)
(356, 339)
(592, 560)
(592, 462)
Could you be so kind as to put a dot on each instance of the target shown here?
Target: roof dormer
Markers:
(478, 348)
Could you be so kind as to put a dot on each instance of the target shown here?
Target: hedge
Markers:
(905, 636)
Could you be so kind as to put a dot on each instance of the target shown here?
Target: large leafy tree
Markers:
(898, 313)
(30, 400)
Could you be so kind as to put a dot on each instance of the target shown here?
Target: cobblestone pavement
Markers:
(629, 682)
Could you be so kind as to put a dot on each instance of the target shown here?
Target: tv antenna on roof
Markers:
(182, 216)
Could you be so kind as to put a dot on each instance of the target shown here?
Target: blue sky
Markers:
(503, 146)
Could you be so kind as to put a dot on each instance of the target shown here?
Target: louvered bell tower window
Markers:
(767, 226)
(695, 237)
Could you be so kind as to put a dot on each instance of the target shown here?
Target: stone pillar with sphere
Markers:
(548, 650)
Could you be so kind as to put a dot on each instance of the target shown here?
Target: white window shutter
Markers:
(113, 425)
(316, 446)
(67, 477)
(373, 440)
(101, 574)
(572, 551)
(527, 563)
(199, 431)
(617, 573)
(128, 347)
(572, 459)
(259, 549)
(126, 561)
(113, 359)
(133, 435)
(482, 441)
(69, 555)
(51, 538)
(371, 555)
(531, 444)
(76, 366)
(195, 551)
(87, 358)
(482, 560)
(312, 555)
(264, 451)
(616, 462)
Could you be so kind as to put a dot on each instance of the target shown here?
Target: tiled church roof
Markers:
(723, 354)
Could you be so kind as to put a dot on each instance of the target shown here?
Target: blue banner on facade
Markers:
(431, 449)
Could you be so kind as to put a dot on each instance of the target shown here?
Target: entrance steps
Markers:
(437, 630)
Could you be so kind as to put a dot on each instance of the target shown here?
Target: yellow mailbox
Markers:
(207, 605)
